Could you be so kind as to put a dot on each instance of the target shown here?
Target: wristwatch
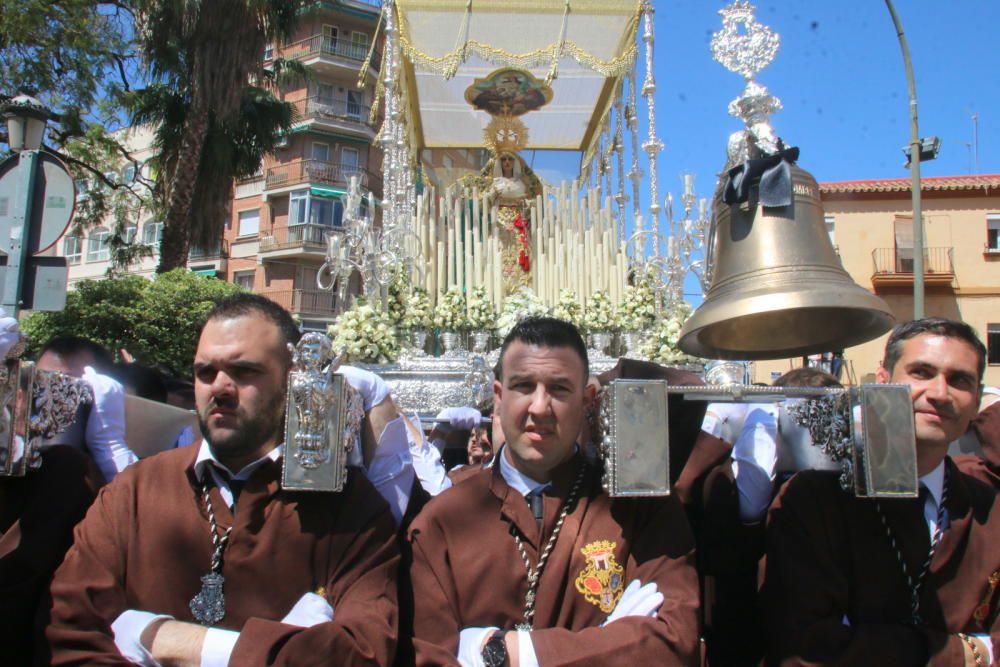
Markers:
(495, 651)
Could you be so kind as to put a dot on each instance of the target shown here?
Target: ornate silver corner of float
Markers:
(746, 47)
(323, 418)
(633, 414)
(867, 431)
(34, 405)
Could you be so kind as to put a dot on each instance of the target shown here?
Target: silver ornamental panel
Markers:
(323, 418)
(34, 405)
(865, 432)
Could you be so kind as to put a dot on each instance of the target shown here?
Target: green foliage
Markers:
(157, 321)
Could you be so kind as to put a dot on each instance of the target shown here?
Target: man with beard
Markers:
(858, 581)
(297, 577)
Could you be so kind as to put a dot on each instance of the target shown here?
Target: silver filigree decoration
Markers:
(56, 400)
(353, 418)
(313, 393)
(828, 420)
(746, 47)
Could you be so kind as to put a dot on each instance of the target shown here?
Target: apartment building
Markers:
(274, 239)
(870, 223)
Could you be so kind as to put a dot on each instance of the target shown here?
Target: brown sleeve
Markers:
(87, 590)
(435, 609)
(361, 588)
(806, 594)
(662, 551)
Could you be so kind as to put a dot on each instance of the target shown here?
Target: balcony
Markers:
(344, 116)
(894, 268)
(307, 240)
(208, 261)
(286, 176)
(309, 302)
(331, 55)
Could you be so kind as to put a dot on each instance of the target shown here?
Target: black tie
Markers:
(537, 503)
(235, 485)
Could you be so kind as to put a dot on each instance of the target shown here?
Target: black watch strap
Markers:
(495, 651)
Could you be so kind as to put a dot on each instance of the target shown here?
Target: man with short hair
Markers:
(853, 581)
(300, 576)
(530, 562)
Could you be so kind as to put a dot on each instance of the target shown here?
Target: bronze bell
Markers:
(778, 287)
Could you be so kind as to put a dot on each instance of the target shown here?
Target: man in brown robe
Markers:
(612, 580)
(846, 581)
(308, 577)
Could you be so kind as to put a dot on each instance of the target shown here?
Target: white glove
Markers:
(636, 601)
(106, 425)
(310, 610)
(372, 388)
(128, 629)
(10, 333)
(458, 419)
(470, 646)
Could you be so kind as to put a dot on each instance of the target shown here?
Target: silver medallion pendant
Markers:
(209, 606)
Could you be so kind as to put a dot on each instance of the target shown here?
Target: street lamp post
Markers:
(26, 119)
(918, 223)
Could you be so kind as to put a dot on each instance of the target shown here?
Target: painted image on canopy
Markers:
(508, 92)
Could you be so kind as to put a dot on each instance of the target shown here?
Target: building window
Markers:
(269, 52)
(298, 207)
(97, 245)
(72, 249)
(321, 152)
(128, 173)
(249, 223)
(903, 232)
(152, 234)
(993, 232)
(349, 160)
(359, 45)
(993, 342)
(325, 95)
(330, 38)
(354, 105)
(244, 279)
(130, 233)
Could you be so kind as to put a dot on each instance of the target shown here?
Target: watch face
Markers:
(495, 652)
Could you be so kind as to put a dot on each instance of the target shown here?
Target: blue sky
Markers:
(839, 74)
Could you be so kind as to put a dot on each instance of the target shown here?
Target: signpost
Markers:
(37, 198)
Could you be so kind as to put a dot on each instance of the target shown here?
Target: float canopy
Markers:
(598, 50)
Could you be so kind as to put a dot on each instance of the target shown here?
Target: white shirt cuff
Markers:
(218, 647)
(526, 650)
(988, 643)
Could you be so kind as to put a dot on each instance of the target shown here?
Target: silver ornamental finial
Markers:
(746, 47)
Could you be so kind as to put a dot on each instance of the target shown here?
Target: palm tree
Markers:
(210, 53)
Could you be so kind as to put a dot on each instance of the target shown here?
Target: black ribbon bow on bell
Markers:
(775, 174)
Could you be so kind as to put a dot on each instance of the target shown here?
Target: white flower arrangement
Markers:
(365, 334)
(449, 315)
(417, 313)
(521, 304)
(569, 308)
(661, 345)
(482, 314)
(637, 311)
(600, 313)
(399, 292)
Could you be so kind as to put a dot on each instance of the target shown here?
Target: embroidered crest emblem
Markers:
(601, 582)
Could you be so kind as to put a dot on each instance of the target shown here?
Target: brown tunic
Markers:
(37, 515)
(467, 572)
(829, 557)
(145, 544)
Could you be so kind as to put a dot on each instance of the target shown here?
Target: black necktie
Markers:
(537, 504)
(235, 485)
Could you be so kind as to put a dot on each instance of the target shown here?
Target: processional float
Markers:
(562, 75)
